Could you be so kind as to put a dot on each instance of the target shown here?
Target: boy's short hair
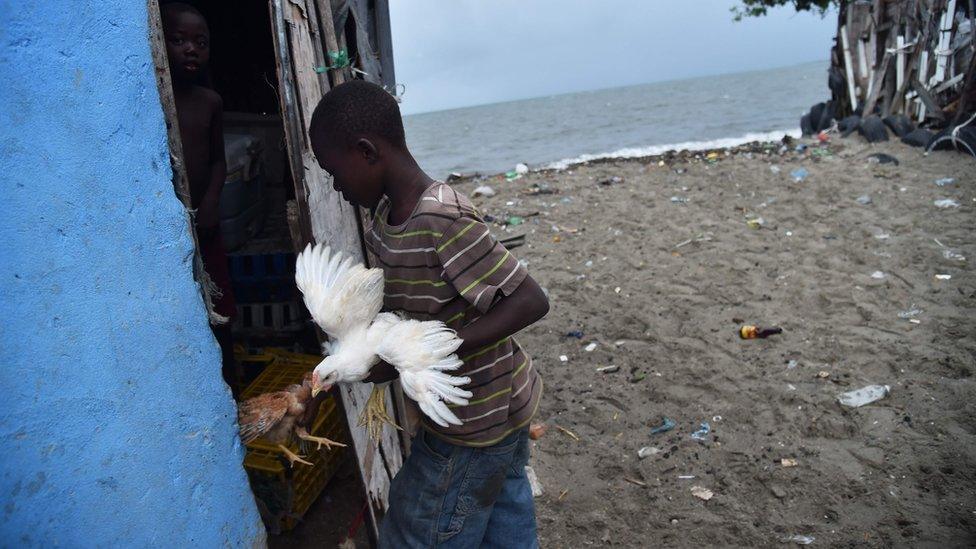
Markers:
(175, 8)
(357, 108)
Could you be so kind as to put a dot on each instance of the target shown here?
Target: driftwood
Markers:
(903, 57)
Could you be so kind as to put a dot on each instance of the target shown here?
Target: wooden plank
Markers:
(181, 183)
(848, 67)
(330, 38)
(327, 218)
(384, 42)
(368, 57)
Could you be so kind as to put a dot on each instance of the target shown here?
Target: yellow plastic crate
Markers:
(285, 493)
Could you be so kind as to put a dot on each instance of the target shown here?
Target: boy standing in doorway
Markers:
(200, 113)
(465, 485)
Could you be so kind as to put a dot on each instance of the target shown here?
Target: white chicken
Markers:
(345, 299)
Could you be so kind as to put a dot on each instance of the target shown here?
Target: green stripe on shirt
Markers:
(486, 275)
(434, 283)
(457, 236)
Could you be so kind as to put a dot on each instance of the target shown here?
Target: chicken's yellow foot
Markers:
(319, 441)
(292, 456)
(374, 413)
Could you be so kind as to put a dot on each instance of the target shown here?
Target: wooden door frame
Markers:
(322, 215)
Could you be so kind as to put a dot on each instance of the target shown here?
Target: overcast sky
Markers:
(457, 53)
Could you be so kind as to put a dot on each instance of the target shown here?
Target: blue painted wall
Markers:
(116, 427)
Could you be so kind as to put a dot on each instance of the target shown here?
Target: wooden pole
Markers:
(849, 69)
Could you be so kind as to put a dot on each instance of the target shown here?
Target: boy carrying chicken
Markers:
(463, 485)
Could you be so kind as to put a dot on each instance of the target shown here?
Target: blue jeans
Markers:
(455, 496)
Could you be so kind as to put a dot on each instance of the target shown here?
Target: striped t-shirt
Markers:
(443, 264)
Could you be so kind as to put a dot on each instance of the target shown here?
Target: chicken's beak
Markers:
(316, 389)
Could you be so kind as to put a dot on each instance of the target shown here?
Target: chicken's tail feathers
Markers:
(437, 411)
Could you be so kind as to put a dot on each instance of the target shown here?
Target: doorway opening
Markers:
(269, 341)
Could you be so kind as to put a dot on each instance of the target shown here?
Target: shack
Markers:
(120, 427)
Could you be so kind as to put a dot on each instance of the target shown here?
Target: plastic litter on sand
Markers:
(945, 181)
(878, 275)
(799, 539)
(702, 431)
(946, 203)
(483, 190)
(864, 395)
(799, 174)
(666, 425)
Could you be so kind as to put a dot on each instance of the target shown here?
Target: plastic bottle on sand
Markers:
(864, 395)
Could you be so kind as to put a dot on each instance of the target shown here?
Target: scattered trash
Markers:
(686, 477)
(589, 263)
(792, 364)
(648, 451)
(788, 462)
(635, 481)
(638, 378)
(610, 181)
(512, 242)
(512, 175)
(756, 332)
(537, 189)
(679, 200)
(702, 431)
(756, 223)
(798, 539)
(882, 158)
(590, 347)
(953, 255)
(864, 200)
(568, 433)
(716, 419)
(823, 374)
(946, 203)
(801, 148)
(864, 395)
(799, 174)
(943, 277)
(454, 176)
(536, 430)
(666, 425)
(911, 312)
(775, 169)
(702, 493)
(563, 358)
(578, 334)
(882, 236)
(521, 169)
(483, 190)
(514, 221)
(878, 275)
(533, 481)
(945, 181)
(702, 237)
(608, 369)
(562, 494)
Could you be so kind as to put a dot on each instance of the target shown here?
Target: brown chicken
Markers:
(278, 418)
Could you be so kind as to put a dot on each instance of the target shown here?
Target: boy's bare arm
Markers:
(526, 306)
(208, 214)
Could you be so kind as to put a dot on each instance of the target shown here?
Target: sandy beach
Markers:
(657, 264)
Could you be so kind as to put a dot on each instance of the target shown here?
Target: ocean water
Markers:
(554, 131)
